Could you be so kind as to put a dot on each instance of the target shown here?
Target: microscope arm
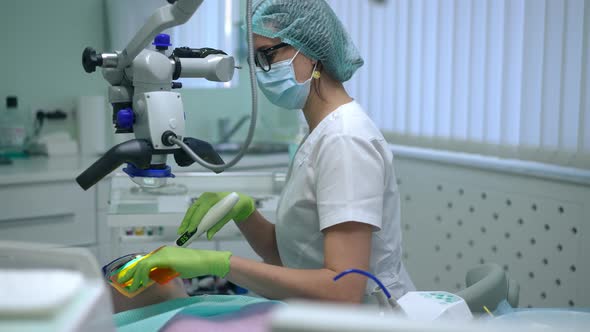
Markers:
(165, 17)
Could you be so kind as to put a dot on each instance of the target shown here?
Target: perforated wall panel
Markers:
(454, 218)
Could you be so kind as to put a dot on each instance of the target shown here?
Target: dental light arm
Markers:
(141, 81)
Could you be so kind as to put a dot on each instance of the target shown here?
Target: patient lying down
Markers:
(152, 295)
(169, 308)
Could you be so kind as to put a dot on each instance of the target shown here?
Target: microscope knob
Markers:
(125, 118)
(162, 41)
(90, 60)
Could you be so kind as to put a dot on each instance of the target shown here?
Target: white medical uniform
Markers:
(343, 171)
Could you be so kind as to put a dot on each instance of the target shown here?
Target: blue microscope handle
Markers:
(137, 152)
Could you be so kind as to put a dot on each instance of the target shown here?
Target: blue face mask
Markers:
(280, 85)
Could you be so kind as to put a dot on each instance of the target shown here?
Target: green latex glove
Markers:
(242, 210)
(189, 263)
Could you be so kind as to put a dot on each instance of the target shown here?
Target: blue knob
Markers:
(125, 118)
(162, 41)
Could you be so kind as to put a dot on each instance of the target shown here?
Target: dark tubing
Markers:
(137, 152)
(202, 149)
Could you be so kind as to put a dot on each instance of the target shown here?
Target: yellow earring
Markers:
(315, 74)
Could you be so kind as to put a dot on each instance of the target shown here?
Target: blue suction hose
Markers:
(389, 303)
(366, 274)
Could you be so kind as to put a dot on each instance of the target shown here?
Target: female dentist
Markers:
(340, 207)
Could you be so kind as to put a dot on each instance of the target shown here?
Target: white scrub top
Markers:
(343, 171)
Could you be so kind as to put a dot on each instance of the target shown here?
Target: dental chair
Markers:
(488, 285)
(45, 288)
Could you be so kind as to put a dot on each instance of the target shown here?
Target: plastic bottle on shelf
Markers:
(139, 231)
(14, 128)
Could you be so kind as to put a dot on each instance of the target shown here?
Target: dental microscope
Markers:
(142, 93)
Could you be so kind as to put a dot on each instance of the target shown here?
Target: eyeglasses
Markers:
(263, 58)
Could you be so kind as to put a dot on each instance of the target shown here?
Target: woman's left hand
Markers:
(189, 263)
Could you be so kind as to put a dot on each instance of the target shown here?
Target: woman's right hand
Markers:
(241, 211)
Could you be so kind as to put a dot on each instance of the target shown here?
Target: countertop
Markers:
(248, 162)
(44, 169)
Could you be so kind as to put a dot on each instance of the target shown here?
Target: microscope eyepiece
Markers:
(90, 60)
